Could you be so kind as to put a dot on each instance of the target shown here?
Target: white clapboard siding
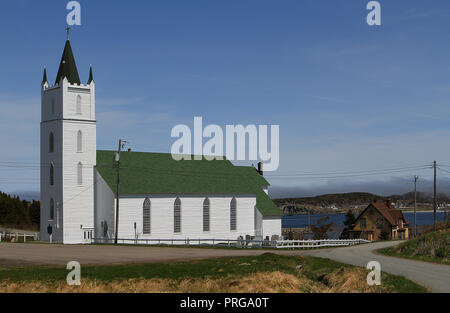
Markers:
(74, 202)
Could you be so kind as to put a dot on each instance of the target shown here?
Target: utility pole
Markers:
(415, 204)
(435, 198)
(117, 158)
(309, 219)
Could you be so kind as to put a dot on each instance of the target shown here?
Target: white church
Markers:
(160, 198)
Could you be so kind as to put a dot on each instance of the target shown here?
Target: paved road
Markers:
(436, 277)
(433, 276)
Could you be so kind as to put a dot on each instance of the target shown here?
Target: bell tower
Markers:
(68, 154)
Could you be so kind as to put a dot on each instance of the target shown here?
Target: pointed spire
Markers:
(44, 79)
(91, 76)
(68, 67)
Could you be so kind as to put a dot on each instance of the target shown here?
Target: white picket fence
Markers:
(17, 235)
(319, 243)
(240, 243)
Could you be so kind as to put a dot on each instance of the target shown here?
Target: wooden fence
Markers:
(16, 236)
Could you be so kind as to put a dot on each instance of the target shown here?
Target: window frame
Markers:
(206, 215)
(361, 224)
(146, 216)
(233, 219)
(177, 205)
(52, 210)
(80, 174)
(52, 174)
(79, 141)
(78, 109)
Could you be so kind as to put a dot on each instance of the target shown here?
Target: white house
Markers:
(160, 198)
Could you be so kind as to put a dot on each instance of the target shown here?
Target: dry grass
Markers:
(341, 280)
(349, 280)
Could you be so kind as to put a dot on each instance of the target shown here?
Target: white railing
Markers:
(243, 243)
(16, 236)
(319, 243)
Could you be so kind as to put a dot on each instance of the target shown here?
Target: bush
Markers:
(384, 235)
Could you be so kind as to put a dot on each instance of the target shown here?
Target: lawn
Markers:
(431, 247)
(265, 273)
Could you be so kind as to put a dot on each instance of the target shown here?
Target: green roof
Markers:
(67, 67)
(158, 173)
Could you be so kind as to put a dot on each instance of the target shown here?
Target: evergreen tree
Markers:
(16, 213)
(348, 223)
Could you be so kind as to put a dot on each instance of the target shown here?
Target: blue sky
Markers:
(347, 96)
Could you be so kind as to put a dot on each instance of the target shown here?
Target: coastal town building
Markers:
(380, 220)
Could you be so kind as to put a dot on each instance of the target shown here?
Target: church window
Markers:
(233, 214)
(177, 216)
(52, 174)
(52, 209)
(80, 174)
(79, 141)
(206, 217)
(146, 216)
(78, 108)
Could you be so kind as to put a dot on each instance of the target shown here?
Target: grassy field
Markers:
(264, 273)
(431, 247)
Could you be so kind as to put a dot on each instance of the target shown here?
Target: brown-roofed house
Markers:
(380, 220)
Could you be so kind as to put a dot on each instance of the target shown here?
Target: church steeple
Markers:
(91, 76)
(68, 67)
(44, 79)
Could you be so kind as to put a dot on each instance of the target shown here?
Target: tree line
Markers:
(17, 213)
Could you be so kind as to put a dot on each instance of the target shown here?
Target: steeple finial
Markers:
(44, 79)
(68, 30)
(91, 76)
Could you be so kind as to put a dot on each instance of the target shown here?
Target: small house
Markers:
(380, 220)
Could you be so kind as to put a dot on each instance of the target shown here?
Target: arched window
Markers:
(177, 216)
(233, 214)
(78, 104)
(206, 215)
(52, 174)
(52, 209)
(51, 142)
(146, 216)
(80, 174)
(79, 141)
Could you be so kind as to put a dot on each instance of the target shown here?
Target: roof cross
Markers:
(68, 30)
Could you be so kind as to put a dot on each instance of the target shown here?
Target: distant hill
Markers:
(338, 199)
(17, 213)
(421, 197)
(334, 203)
